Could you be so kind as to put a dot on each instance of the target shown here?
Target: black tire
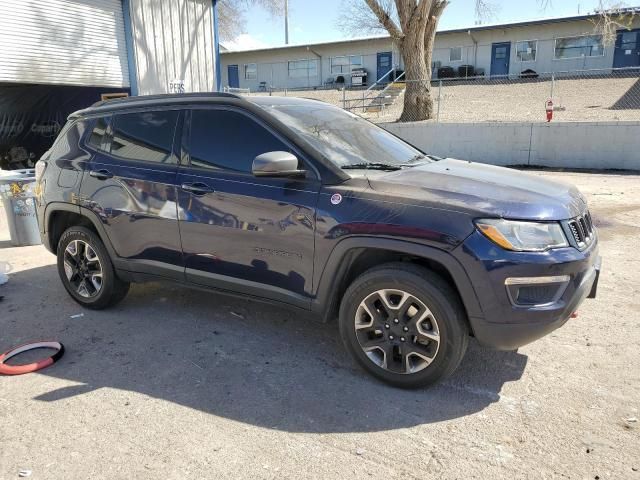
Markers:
(112, 289)
(424, 286)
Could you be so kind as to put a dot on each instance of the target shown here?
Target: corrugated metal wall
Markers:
(173, 40)
(71, 42)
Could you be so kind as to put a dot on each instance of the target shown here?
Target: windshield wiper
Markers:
(372, 166)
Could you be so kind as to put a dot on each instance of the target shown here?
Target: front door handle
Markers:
(101, 174)
(197, 189)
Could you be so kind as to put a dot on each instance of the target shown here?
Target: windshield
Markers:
(344, 138)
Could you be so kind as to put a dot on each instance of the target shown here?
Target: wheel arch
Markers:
(59, 217)
(354, 256)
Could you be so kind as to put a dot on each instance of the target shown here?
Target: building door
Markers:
(61, 42)
(500, 58)
(234, 78)
(384, 65)
(627, 49)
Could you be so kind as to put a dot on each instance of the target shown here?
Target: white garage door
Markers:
(71, 42)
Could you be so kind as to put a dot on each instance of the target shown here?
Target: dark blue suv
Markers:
(301, 203)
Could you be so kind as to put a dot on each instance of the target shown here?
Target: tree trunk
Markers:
(418, 104)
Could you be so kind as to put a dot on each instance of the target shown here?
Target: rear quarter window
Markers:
(99, 133)
(67, 145)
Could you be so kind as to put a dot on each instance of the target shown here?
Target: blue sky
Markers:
(316, 20)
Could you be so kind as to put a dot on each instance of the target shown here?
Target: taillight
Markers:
(40, 168)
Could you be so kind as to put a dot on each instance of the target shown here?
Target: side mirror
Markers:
(276, 164)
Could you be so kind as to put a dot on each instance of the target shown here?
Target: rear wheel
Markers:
(404, 324)
(86, 270)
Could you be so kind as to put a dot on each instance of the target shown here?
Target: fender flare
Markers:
(83, 212)
(339, 262)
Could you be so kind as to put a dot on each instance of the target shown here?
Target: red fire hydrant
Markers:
(549, 109)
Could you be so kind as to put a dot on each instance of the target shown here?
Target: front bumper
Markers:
(506, 326)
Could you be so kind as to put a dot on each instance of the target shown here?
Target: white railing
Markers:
(368, 94)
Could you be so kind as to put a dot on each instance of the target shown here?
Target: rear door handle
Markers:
(197, 189)
(101, 174)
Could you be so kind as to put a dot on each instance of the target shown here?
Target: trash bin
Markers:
(18, 199)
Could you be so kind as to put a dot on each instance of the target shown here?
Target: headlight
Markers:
(523, 236)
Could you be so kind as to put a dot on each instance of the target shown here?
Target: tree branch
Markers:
(384, 17)
(611, 18)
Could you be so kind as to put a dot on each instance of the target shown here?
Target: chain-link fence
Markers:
(595, 95)
(580, 96)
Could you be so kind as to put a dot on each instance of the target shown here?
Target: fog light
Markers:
(536, 291)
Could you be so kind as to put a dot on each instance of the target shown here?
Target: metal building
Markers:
(58, 56)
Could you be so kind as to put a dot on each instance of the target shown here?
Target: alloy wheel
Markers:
(83, 268)
(397, 331)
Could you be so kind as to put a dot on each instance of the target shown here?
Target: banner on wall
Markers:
(31, 116)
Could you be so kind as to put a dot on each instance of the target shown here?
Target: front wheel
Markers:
(86, 270)
(404, 324)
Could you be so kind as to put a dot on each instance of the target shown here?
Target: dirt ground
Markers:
(585, 99)
(175, 384)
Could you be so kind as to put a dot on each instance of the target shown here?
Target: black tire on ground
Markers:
(424, 286)
(112, 289)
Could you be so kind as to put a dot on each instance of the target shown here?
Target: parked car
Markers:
(300, 203)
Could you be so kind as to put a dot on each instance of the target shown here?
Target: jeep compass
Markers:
(300, 203)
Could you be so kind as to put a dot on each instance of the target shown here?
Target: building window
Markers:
(303, 68)
(455, 54)
(346, 64)
(527, 50)
(577, 47)
(250, 71)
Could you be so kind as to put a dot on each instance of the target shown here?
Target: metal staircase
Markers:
(386, 98)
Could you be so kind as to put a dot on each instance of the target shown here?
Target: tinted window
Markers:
(66, 146)
(227, 140)
(146, 136)
(98, 132)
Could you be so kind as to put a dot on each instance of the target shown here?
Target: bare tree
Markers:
(412, 25)
(232, 14)
(611, 17)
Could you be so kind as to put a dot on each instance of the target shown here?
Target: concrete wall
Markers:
(613, 145)
(173, 40)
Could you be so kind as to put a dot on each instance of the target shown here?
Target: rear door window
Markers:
(145, 136)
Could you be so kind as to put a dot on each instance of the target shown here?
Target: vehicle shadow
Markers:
(233, 358)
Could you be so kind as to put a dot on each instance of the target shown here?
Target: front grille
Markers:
(582, 230)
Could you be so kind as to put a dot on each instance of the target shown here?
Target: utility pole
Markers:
(286, 22)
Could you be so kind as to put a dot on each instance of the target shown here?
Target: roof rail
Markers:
(164, 96)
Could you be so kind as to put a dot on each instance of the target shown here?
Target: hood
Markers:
(483, 190)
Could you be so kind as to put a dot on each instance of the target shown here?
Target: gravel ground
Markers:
(577, 99)
(174, 383)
